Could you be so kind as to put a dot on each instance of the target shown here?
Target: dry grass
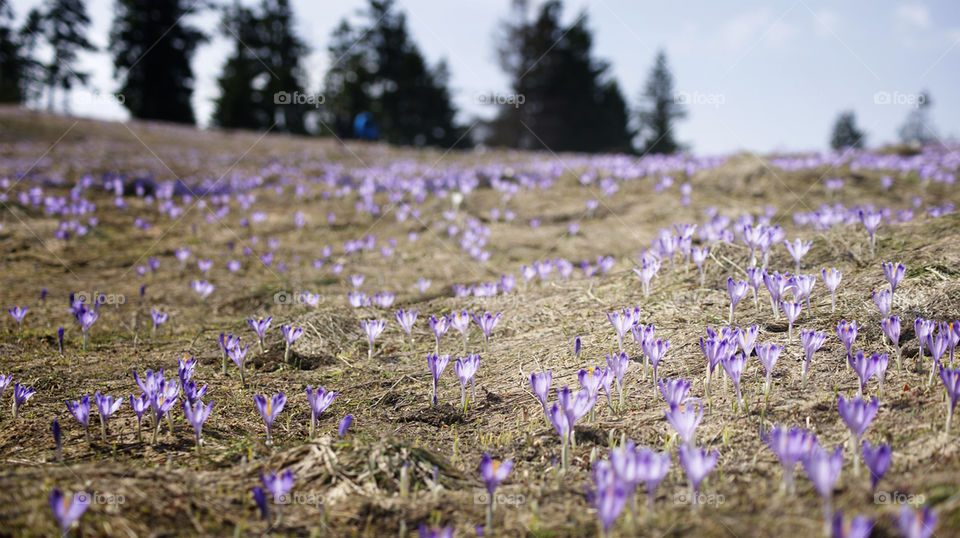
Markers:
(167, 490)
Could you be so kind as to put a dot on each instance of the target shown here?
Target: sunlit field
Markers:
(302, 337)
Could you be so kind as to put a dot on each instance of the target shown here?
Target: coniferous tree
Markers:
(845, 132)
(12, 62)
(152, 44)
(262, 78)
(240, 105)
(570, 104)
(64, 24)
(383, 72)
(659, 110)
(918, 129)
(33, 73)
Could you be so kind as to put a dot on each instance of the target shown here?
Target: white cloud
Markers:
(915, 15)
(827, 22)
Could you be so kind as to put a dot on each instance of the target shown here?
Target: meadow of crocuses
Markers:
(214, 333)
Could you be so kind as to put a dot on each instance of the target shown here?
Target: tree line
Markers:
(562, 96)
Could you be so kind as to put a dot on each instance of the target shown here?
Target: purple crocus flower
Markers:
(609, 496)
(715, 348)
(792, 311)
(755, 279)
(260, 326)
(917, 523)
(951, 382)
(406, 319)
(576, 347)
(652, 467)
(894, 274)
(858, 415)
(823, 469)
(847, 333)
(923, 328)
(185, 368)
(891, 328)
(439, 532)
(859, 527)
(747, 338)
(697, 463)
(139, 406)
(461, 322)
(269, 409)
(777, 286)
(575, 407)
(158, 319)
(699, 255)
(864, 368)
(319, 402)
(290, 335)
(202, 288)
(260, 498)
(768, 353)
(106, 406)
(356, 281)
(278, 486)
(373, 328)
(591, 379)
(655, 351)
(80, 409)
(560, 423)
(737, 290)
(238, 356)
(20, 396)
(674, 391)
(938, 346)
(831, 277)
(436, 364)
(621, 324)
(60, 339)
(227, 342)
(66, 510)
(648, 269)
(57, 439)
(789, 447)
(18, 313)
(877, 460)
(871, 220)
(540, 384)
(466, 368)
(193, 392)
(733, 365)
(882, 299)
(439, 326)
(87, 318)
(196, 416)
(344, 425)
(493, 473)
(618, 364)
(797, 249)
(487, 322)
(811, 341)
(685, 418)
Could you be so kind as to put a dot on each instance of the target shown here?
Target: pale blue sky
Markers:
(762, 75)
